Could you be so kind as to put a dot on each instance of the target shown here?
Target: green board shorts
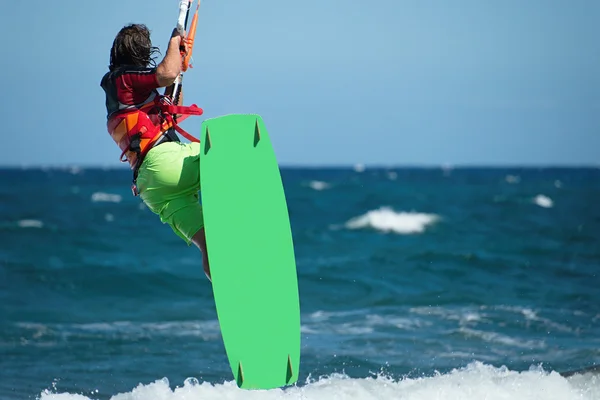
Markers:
(169, 181)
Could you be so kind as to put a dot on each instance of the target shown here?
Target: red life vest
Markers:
(136, 130)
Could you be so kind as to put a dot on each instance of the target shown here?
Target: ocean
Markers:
(415, 284)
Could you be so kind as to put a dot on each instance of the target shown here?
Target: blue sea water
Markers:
(415, 283)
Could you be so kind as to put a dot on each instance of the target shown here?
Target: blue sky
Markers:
(389, 82)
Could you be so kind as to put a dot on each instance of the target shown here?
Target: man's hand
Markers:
(185, 43)
(176, 33)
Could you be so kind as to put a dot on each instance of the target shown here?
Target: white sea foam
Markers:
(106, 197)
(447, 169)
(385, 219)
(532, 315)
(30, 223)
(318, 185)
(75, 170)
(207, 330)
(359, 167)
(543, 201)
(482, 314)
(358, 322)
(514, 179)
(464, 316)
(495, 337)
(474, 382)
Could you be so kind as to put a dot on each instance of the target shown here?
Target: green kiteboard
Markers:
(250, 251)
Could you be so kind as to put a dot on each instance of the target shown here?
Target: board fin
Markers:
(240, 375)
(290, 371)
(207, 142)
(256, 133)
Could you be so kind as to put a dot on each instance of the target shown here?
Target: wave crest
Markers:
(387, 220)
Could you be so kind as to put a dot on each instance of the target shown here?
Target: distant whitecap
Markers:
(106, 197)
(30, 223)
(318, 185)
(543, 201)
(385, 219)
(447, 169)
(514, 179)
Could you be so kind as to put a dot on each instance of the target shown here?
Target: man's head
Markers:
(132, 46)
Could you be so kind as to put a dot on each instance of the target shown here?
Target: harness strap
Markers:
(169, 111)
(141, 129)
(184, 111)
(185, 134)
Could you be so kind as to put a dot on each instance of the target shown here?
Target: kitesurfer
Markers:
(143, 123)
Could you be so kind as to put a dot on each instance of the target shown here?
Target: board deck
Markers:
(250, 251)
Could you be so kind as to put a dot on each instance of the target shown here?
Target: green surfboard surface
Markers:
(250, 251)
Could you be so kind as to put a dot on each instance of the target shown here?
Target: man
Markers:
(166, 171)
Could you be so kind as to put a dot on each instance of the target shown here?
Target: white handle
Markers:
(184, 6)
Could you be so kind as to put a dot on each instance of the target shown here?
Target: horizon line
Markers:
(355, 166)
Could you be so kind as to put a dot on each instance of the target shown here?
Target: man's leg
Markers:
(199, 239)
(169, 181)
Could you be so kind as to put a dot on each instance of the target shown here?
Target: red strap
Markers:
(185, 134)
(179, 129)
(169, 110)
(183, 110)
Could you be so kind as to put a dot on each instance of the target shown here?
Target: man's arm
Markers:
(169, 68)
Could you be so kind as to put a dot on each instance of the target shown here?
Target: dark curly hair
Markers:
(132, 46)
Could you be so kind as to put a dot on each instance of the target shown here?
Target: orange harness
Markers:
(136, 130)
